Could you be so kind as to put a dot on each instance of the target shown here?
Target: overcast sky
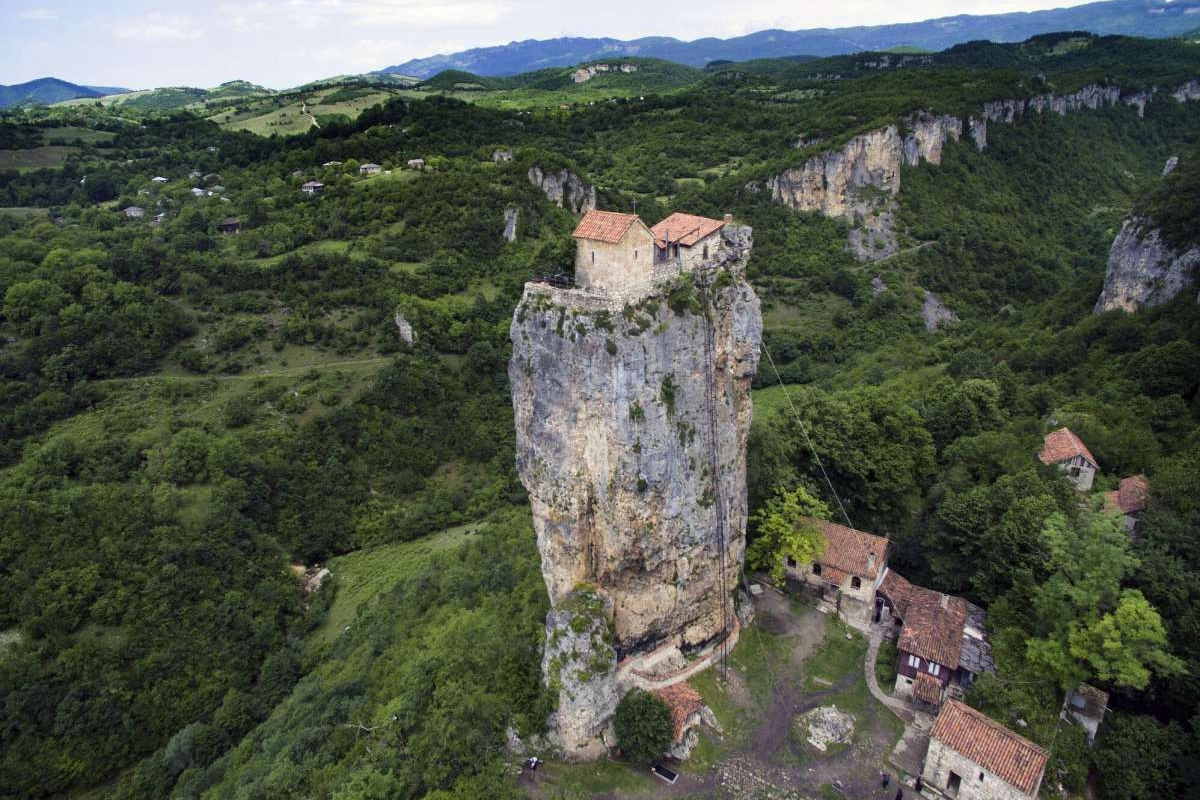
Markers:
(284, 43)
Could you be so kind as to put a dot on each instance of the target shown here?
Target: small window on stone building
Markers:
(816, 569)
(635, 255)
(981, 776)
(706, 251)
(856, 583)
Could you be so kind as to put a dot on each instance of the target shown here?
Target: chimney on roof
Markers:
(945, 601)
(870, 556)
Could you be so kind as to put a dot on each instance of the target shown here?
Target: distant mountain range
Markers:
(45, 91)
(1150, 18)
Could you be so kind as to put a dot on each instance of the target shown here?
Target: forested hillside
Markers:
(188, 418)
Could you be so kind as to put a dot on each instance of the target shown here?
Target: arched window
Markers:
(791, 562)
(856, 583)
(816, 569)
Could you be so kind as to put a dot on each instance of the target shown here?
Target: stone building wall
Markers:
(976, 783)
(608, 266)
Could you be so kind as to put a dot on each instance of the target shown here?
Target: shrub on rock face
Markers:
(643, 724)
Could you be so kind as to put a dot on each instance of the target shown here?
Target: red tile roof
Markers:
(933, 626)
(928, 689)
(1062, 445)
(849, 550)
(1131, 497)
(989, 744)
(685, 229)
(898, 590)
(684, 701)
(605, 226)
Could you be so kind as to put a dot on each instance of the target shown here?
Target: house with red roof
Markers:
(615, 251)
(972, 757)
(1067, 451)
(847, 572)
(690, 239)
(688, 713)
(612, 250)
(1129, 499)
(942, 644)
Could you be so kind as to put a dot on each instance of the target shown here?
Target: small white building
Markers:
(313, 187)
(134, 212)
(416, 163)
(1068, 452)
(972, 757)
(370, 169)
(158, 179)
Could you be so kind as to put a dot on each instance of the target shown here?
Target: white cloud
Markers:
(38, 14)
(157, 28)
(330, 14)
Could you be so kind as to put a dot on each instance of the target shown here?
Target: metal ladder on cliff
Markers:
(710, 379)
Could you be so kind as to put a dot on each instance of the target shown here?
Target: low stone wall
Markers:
(634, 672)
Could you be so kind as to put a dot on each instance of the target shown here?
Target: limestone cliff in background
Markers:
(1143, 270)
(564, 188)
(861, 179)
(618, 414)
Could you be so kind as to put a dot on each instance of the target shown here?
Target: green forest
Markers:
(189, 418)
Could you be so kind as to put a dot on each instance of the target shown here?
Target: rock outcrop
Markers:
(580, 665)
(564, 188)
(935, 313)
(511, 215)
(861, 179)
(1144, 270)
(584, 74)
(621, 418)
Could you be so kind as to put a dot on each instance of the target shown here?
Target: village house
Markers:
(687, 238)
(688, 712)
(197, 192)
(1085, 707)
(158, 179)
(942, 645)
(972, 757)
(313, 187)
(229, 225)
(848, 571)
(1064, 449)
(370, 169)
(134, 212)
(332, 164)
(1129, 499)
(416, 163)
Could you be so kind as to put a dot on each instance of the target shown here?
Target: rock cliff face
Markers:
(565, 189)
(1143, 270)
(861, 180)
(619, 418)
(580, 665)
(592, 70)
